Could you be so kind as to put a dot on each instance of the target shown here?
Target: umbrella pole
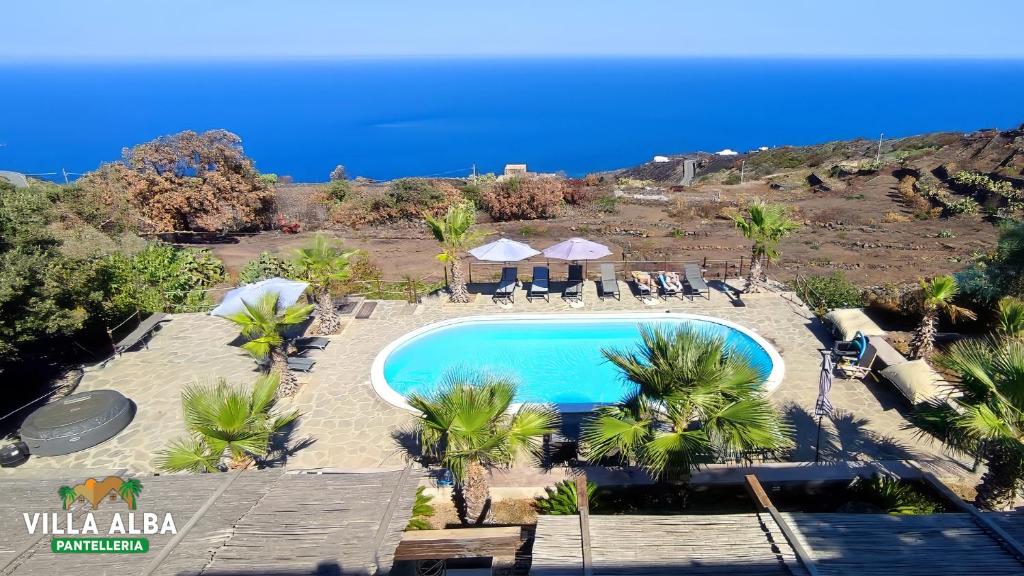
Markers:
(817, 447)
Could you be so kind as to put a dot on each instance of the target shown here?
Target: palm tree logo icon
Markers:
(94, 491)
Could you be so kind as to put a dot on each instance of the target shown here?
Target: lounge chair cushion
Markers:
(915, 379)
(849, 321)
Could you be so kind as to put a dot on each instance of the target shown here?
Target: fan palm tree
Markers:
(766, 225)
(263, 327)
(1011, 318)
(455, 233)
(67, 496)
(323, 264)
(467, 425)
(129, 491)
(228, 427)
(936, 296)
(693, 401)
(984, 417)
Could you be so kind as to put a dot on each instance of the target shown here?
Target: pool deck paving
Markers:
(345, 425)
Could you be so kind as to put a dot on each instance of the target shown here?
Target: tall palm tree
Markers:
(323, 264)
(1011, 318)
(984, 417)
(228, 427)
(936, 296)
(467, 425)
(766, 225)
(693, 401)
(129, 491)
(67, 496)
(455, 233)
(263, 326)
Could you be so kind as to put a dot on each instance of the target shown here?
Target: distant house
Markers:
(18, 179)
(515, 170)
(660, 159)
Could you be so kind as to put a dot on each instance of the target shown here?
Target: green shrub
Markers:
(266, 266)
(338, 190)
(828, 292)
(893, 496)
(562, 499)
(414, 191)
(607, 204)
(731, 179)
(161, 278)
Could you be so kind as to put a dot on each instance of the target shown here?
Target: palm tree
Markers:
(467, 425)
(454, 233)
(693, 401)
(323, 264)
(936, 295)
(67, 496)
(263, 326)
(984, 415)
(228, 427)
(766, 225)
(1011, 318)
(129, 491)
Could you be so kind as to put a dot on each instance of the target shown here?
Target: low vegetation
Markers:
(563, 499)
(828, 292)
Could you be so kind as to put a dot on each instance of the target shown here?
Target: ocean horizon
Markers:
(385, 118)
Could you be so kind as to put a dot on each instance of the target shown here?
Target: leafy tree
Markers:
(936, 296)
(422, 510)
(263, 325)
(983, 417)
(264, 267)
(129, 491)
(468, 426)
(195, 182)
(693, 401)
(324, 264)
(563, 499)
(766, 225)
(228, 428)
(455, 234)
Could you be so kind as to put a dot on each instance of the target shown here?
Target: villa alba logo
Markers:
(77, 529)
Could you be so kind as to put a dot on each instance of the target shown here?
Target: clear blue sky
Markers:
(260, 29)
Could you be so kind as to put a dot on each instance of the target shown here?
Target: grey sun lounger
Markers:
(574, 284)
(539, 284)
(609, 285)
(300, 364)
(507, 285)
(694, 279)
(311, 342)
(667, 290)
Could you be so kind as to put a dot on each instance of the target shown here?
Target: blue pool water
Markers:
(557, 361)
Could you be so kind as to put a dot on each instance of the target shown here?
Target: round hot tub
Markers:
(76, 422)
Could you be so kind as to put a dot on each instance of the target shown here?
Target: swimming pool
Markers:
(555, 358)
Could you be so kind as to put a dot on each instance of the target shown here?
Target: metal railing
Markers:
(714, 269)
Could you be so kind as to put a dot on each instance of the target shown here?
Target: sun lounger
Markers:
(300, 364)
(694, 279)
(507, 285)
(642, 281)
(539, 284)
(141, 333)
(667, 287)
(609, 285)
(574, 284)
(311, 342)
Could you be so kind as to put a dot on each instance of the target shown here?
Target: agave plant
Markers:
(892, 495)
(263, 327)
(323, 264)
(229, 428)
(422, 510)
(766, 225)
(563, 499)
(936, 296)
(467, 424)
(455, 233)
(693, 401)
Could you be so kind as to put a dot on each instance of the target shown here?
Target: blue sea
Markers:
(387, 118)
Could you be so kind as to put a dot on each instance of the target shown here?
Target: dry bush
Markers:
(524, 198)
(892, 217)
(401, 200)
(703, 209)
(913, 199)
(307, 204)
(579, 192)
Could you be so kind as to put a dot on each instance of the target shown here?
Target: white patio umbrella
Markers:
(503, 250)
(289, 292)
(575, 249)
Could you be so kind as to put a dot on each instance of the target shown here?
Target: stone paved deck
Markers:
(350, 427)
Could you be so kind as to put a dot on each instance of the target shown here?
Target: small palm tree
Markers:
(67, 496)
(129, 491)
(693, 401)
(455, 233)
(984, 415)
(228, 427)
(467, 425)
(263, 326)
(323, 264)
(766, 225)
(936, 296)
(563, 499)
(1011, 318)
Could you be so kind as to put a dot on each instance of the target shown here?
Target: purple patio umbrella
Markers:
(503, 250)
(575, 249)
